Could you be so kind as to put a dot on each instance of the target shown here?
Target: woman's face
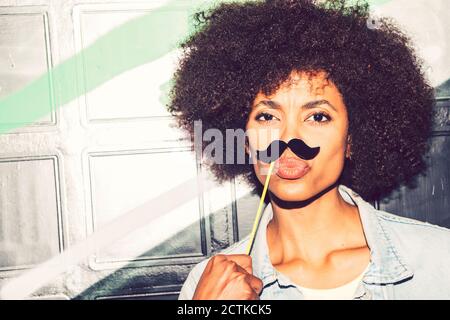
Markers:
(312, 111)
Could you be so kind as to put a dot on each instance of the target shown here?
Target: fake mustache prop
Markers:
(277, 147)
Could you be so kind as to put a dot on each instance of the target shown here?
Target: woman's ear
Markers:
(348, 150)
(247, 149)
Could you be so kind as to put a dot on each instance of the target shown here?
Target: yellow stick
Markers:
(258, 213)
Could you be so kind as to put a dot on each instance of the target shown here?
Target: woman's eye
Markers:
(319, 117)
(265, 117)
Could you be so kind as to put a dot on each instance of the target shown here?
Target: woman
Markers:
(323, 75)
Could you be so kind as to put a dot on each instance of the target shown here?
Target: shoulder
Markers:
(411, 228)
(421, 243)
(188, 288)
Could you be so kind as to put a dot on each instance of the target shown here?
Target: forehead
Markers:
(304, 87)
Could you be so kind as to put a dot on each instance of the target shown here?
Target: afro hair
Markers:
(242, 48)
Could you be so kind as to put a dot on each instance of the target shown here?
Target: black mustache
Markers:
(277, 147)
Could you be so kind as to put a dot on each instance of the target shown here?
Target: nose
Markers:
(291, 129)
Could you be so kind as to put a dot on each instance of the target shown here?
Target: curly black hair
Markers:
(242, 48)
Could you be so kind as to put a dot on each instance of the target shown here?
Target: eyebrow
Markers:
(309, 105)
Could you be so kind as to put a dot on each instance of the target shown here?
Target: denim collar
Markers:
(387, 265)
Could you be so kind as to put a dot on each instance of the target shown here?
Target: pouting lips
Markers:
(291, 168)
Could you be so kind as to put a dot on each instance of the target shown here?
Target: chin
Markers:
(291, 190)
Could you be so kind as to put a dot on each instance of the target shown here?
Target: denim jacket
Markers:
(410, 259)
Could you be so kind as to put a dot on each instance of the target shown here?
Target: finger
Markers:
(243, 260)
(241, 270)
(217, 260)
(212, 261)
(250, 293)
(255, 283)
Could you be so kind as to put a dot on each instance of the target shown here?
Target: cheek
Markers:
(330, 160)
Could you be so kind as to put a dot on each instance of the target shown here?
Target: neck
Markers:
(310, 230)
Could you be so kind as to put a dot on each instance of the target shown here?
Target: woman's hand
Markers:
(228, 277)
